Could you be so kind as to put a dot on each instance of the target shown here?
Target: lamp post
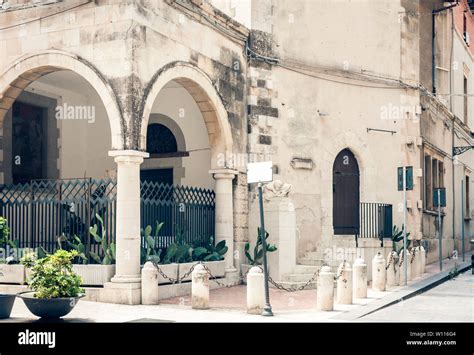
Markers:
(267, 309)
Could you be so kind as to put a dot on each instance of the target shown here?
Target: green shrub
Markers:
(52, 276)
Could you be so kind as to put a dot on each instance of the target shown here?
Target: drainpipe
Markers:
(433, 42)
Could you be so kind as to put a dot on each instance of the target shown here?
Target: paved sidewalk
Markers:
(454, 299)
(228, 305)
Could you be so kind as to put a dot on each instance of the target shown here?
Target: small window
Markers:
(428, 186)
(435, 175)
(160, 140)
(440, 174)
(467, 212)
(465, 102)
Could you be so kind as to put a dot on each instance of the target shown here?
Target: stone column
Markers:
(224, 215)
(125, 286)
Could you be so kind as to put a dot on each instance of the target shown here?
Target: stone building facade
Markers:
(306, 84)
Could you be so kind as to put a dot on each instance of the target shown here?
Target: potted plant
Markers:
(55, 286)
(94, 268)
(257, 257)
(6, 303)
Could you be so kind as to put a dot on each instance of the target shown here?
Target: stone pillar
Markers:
(125, 286)
(255, 291)
(224, 215)
(359, 277)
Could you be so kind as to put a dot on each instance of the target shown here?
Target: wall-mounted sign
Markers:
(409, 178)
(259, 172)
(442, 197)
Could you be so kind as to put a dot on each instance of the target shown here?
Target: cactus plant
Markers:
(108, 249)
(256, 259)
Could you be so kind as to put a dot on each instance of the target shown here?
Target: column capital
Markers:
(223, 173)
(128, 155)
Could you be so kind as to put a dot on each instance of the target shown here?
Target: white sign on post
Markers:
(259, 172)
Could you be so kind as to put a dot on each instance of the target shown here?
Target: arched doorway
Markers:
(346, 196)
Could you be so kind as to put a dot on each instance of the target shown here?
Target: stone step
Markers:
(296, 277)
(291, 284)
(310, 262)
(305, 269)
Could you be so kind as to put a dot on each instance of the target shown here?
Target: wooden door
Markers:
(346, 197)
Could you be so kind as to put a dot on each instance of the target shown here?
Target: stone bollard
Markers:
(415, 263)
(359, 278)
(200, 288)
(379, 273)
(344, 284)
(392, 269)
(422, 260)
(325, 290)
(401, 267)
(255, 291)
(149, 284)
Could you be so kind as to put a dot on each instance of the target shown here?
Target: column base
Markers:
(126, 279)
(121, 293)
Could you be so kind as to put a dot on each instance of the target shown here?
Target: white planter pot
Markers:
(12, 274)
(94, 275)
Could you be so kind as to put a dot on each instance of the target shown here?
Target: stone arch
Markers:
(172, 126)
(206, 96)
(345, 140)
(27, 69)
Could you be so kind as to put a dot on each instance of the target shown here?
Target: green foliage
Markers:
(52, 276)
(5, 240)
(256, 258)
(397, 237)
(178, 252)
(77, 245)
(211, 252)
(150, 251)
(107, 254)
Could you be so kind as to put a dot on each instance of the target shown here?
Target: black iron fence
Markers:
(38, 213)
(188, 212)
(41, 211)
(375, 220)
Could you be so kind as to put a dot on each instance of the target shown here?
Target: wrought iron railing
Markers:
(186, 211)
(43, 210)
(375, 220)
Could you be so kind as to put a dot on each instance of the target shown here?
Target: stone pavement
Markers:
(228, 305)
(452, 300)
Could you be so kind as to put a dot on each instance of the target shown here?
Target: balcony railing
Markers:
(375, 221)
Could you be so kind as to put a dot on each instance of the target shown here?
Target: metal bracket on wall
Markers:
(380, 130)
(460, 150)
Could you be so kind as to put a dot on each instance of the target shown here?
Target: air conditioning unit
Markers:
(466, 38)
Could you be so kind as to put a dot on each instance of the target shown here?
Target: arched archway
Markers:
(206, 96)
(346, 193)
(219, 136)
(30, 68)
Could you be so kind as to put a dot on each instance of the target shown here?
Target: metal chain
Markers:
(214, 278)
(413, 255)
(389, 261)
(172, 280)
(343, 268)
(294, 289)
